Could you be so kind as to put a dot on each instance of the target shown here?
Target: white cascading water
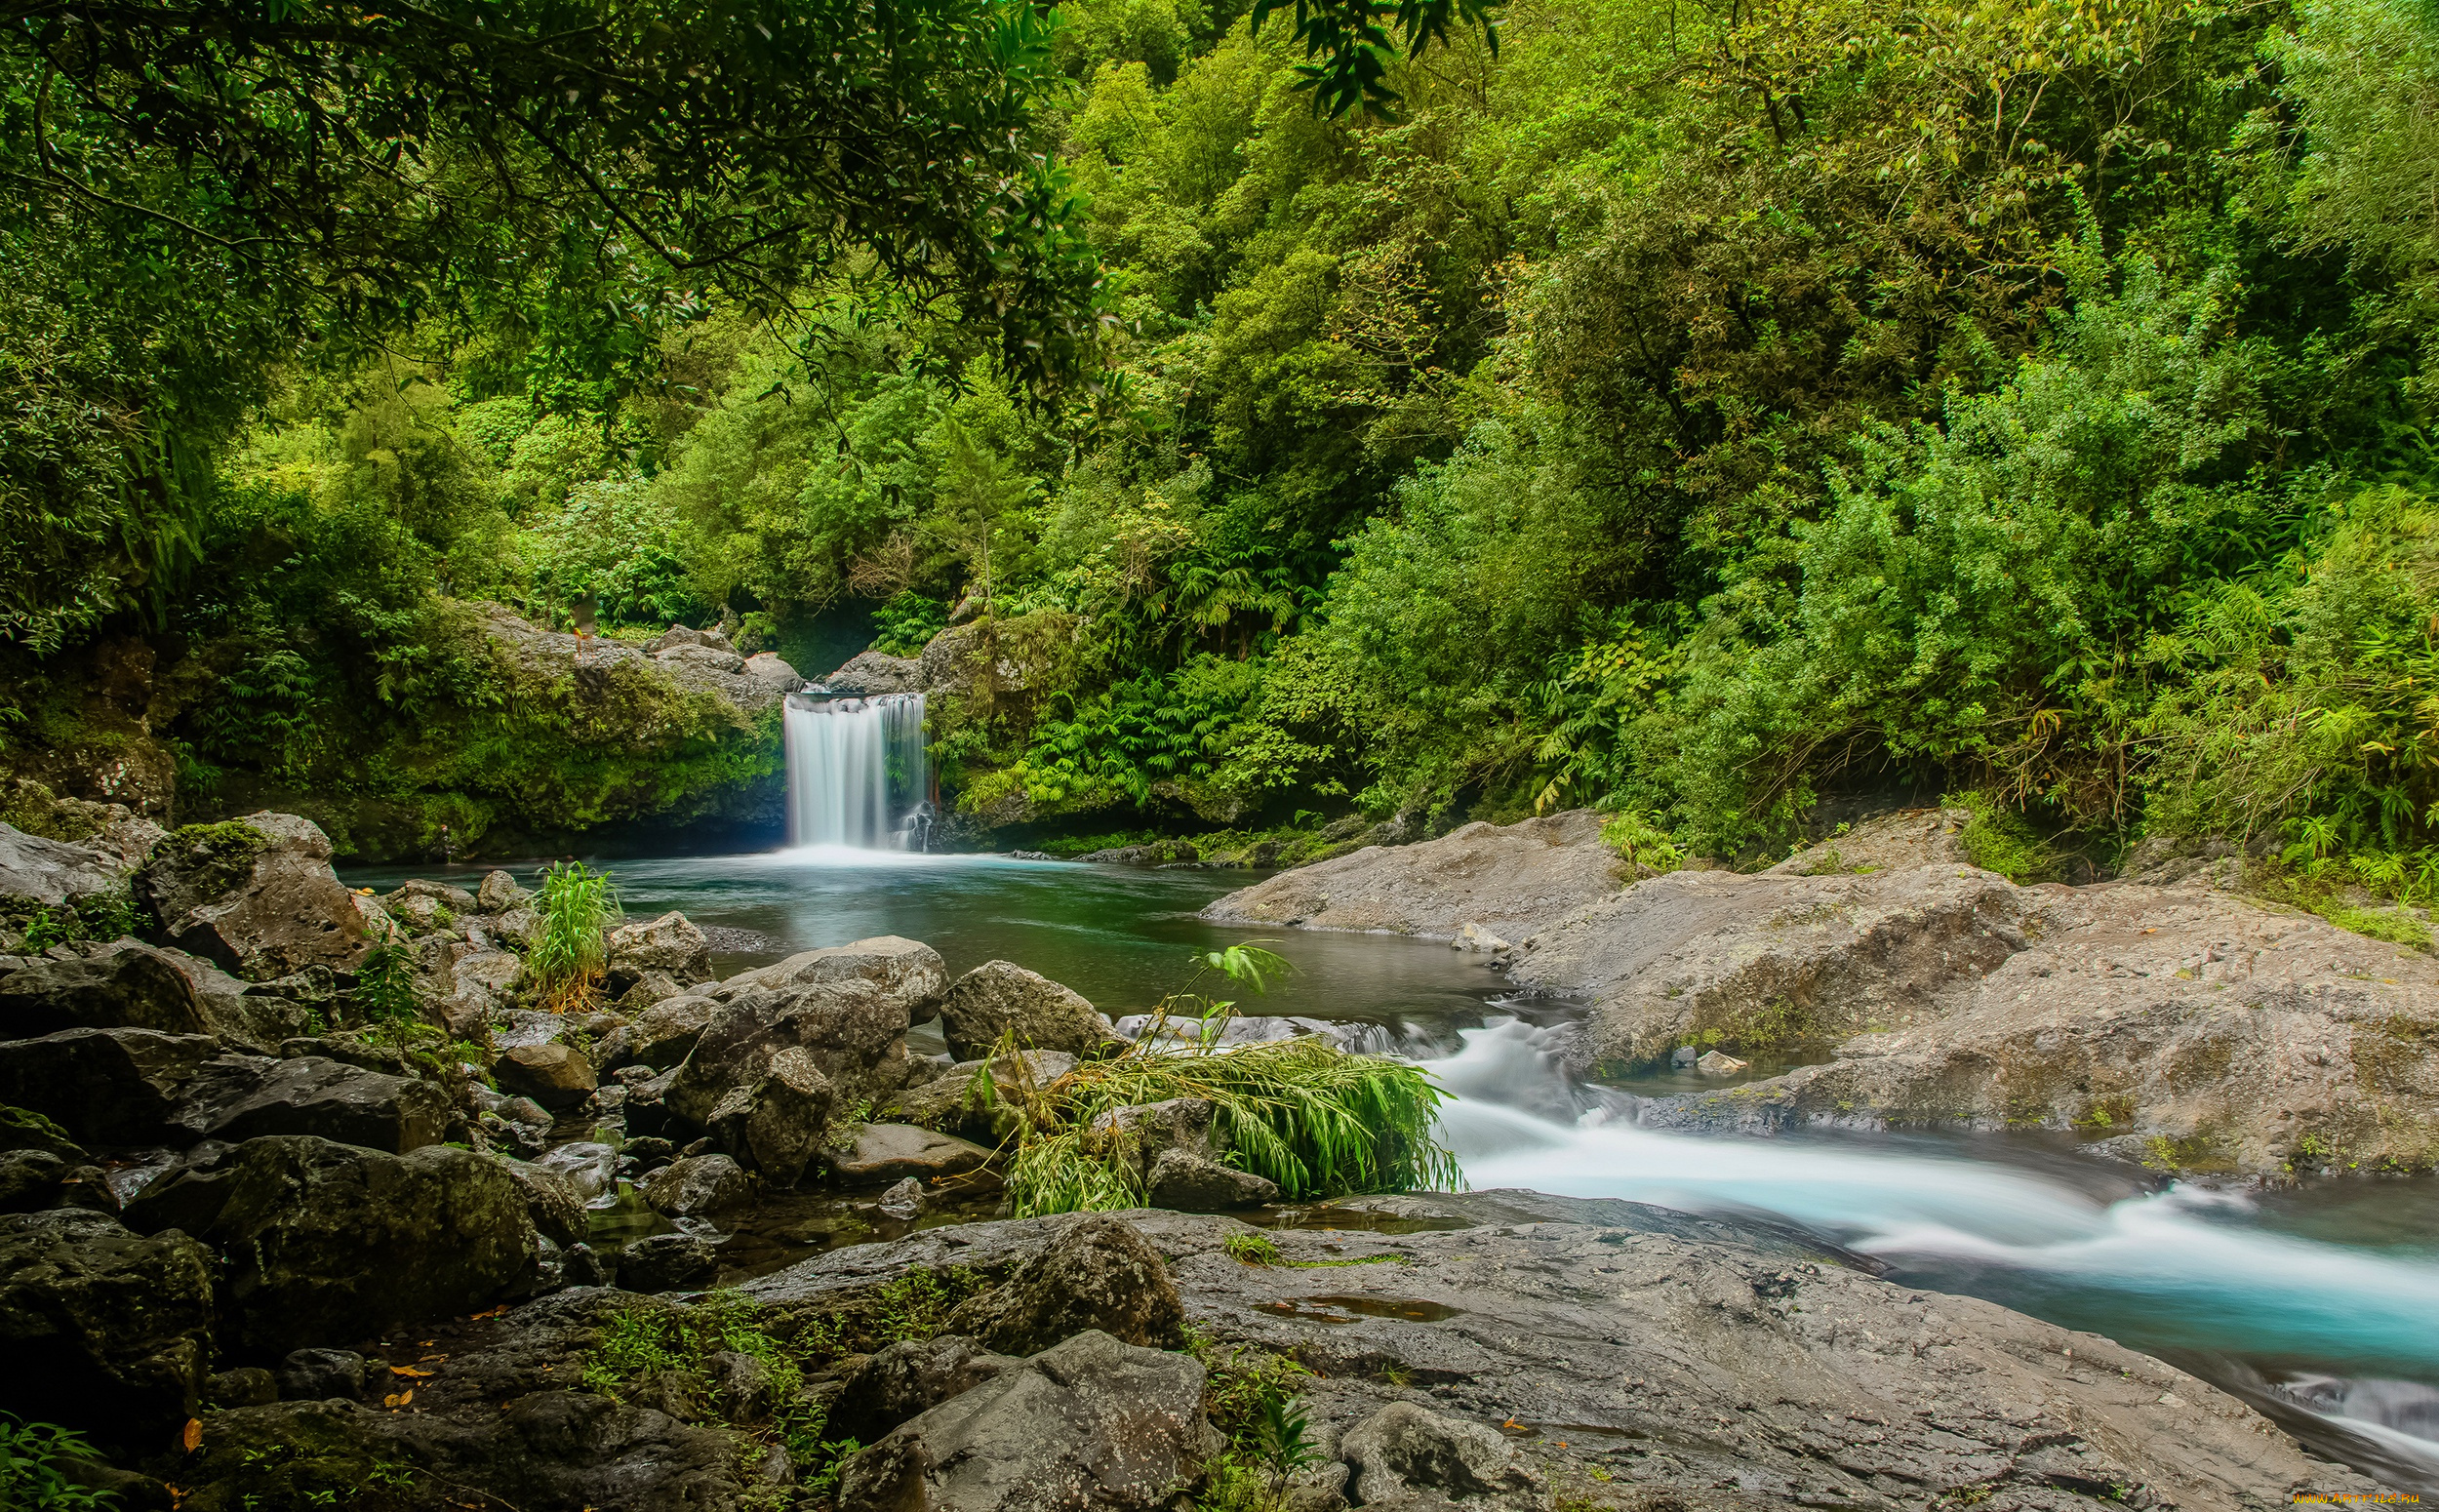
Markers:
(855, 775)
(2185, 1256)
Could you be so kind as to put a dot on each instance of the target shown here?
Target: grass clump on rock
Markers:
(568, 960)
(1315, 1119)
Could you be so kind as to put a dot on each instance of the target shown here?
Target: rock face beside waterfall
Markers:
(872, 672)
(702, 661)
(1507, 880)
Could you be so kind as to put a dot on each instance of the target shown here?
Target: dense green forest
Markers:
(1691, 408)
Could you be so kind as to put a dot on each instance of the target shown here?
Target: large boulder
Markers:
(556, 1075)
(324, 1242)
(255, 895)
(661, 1036)
(846, 1008)
(238, 1098)
(775, 1123)
(1186, 1182)
(107, 1086)
(883, 1153)
(1097, 1273)
(696, 1187)
(132, 987)
(552, 1200)
(1092, 1423)
(953, 1100)
(668, 1262)
(1508, 880)
(2183, 1027)
(104, 1331)
(669, 944)
(1406, 1455)
(907, 1379)
(35, 871)
(1001, 997)
(870, 673)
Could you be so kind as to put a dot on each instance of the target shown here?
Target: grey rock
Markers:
(316, 1374)
(871, 672)
(1097, 1273)
(247, 1385)
(661, 1036)
(667, 1262)
(1510, 880)
(34, 1180)
(238, 1098)
(1152, 1129)
(953, 1101)
(903, 1201)
(52, 872)
(588, 1166)
(1192, 1183)
(907, 1379)
(1712, 1062)
(498, 893)
(326, 1241)
(669, 944)
(895, 1153)
(104, 1331)
(552, 1201)
(257, 896)
(1000, 997)
(1092, 1423)
(130, 987)
(1755, 1360)
(105, 1087)
(554, 1075)
(1897, 841)
(647, 991)
(1943, 995)
(846, 1008)
(1406, 1455)
(775, 1123)
(697, 1186)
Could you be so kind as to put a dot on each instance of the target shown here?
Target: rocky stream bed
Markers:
(264, 1256)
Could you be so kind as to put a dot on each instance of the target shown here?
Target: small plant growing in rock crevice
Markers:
(567, 963)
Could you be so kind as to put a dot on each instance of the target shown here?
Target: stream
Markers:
(2319, 1306)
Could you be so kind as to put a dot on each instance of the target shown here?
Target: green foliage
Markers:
(566, 958)
(1998, 838)
(29, 1478)
(98, 916)
(1254, 1249)
(672, 1344)
(902, 626)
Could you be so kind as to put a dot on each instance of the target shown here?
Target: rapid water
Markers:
(855, 771)
(2319, 1305)
(2203, 1277)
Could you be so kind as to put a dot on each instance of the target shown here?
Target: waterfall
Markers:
(856, 773)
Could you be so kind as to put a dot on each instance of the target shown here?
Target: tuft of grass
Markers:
(1255, 1250)
(2393, 924)
(566, 961)
(1303, 1113)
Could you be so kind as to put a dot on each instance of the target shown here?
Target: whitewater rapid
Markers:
(2181, 1268)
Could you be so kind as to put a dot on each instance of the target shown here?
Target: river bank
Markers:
(2315, 1327)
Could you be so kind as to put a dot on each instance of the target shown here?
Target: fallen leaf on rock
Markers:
(192, 1437)
(407, 1370)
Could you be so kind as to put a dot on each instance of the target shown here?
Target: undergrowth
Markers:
(30, 1477)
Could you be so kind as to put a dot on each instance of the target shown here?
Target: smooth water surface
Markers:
(2321, 1305)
